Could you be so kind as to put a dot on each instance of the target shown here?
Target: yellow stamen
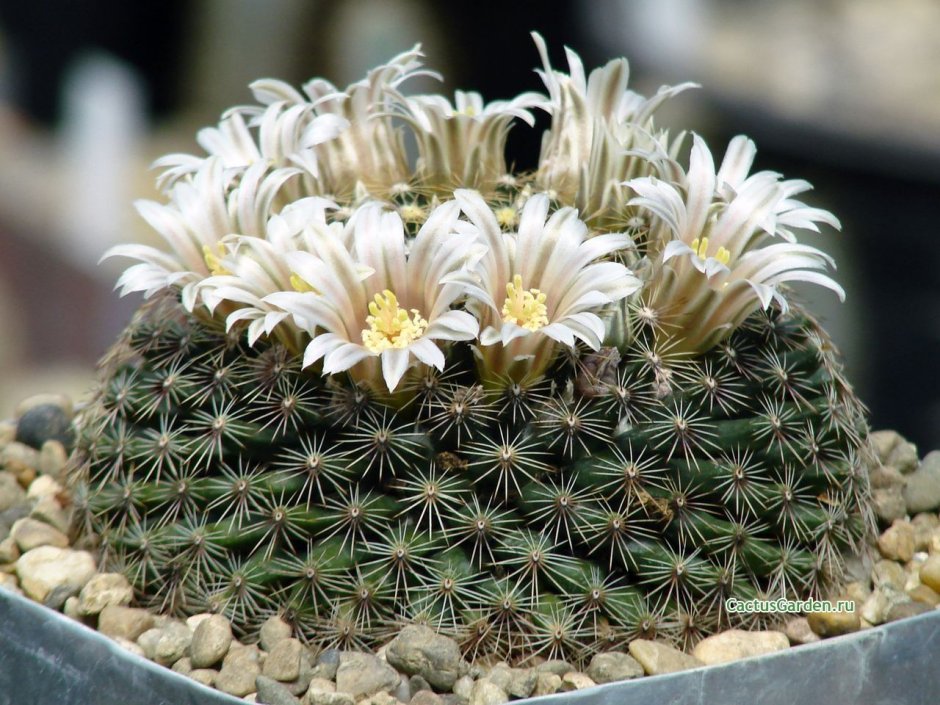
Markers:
(214, 259)
(301, 285)
(701, 249)
(506, 216)
(391, 326)
(524, 307)
(412, 213)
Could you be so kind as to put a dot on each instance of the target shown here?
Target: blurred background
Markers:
(843, 93)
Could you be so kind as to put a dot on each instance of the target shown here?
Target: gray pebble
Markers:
(270, 692)
(419, 650)
(44, 422)
(211, 641)
(327, 664)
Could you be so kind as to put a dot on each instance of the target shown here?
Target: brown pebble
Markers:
(827, 624)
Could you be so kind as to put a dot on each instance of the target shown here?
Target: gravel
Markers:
(418, 666)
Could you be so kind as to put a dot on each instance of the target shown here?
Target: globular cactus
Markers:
(543, 413)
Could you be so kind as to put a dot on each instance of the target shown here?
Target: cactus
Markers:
(542, 413)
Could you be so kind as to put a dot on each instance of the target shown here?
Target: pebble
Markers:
(30, 533)
(922, 593)
(737, 644)
(129, 645)
(613, 666)
(49, 574)
(53, 459)
(9, 551)
(517, 682)
(575, 680)
(858, 592)
(889, 504)
(484, 692)
(45, 399)
(48, 511)
(930, 572)
(206, 676)
(327, 663)
(44, 422)
(173, 643)
(897, 542)
(124, 622)
(426, 697)
(419, 650)
(272, 631)
(271, 692)
(11, 494)
(922, 491)
(44, 486)
(9, 582)
(103, 590)
(463, 686)
(798, 631)
(547, 683)
(7, 432)
(556, 666)
(283, 661)
(317, 697)
(212, 638)
(322, 684)
(890, 573)
(183, 665)
(924, 525)
(238, 673)
(893, 449)
(148, 641)
(903, 610)
(657, 658)
(20, 460)
(828, 624)
(362, 675)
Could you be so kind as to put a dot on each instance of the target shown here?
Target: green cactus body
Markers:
(452, 402)
(565, 531)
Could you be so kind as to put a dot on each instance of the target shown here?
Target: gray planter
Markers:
(46, 659)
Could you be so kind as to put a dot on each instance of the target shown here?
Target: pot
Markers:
(47, 658)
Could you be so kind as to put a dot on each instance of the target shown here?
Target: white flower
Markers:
(463, 144)
(202, 212)
(539, 286)
(373, 309)
(601, 134)
(710, 268)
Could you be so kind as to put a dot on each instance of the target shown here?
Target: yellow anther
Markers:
(506, 216)
(214, 259)
(701, 249)
(391, 326)
(524, 307)
(412, 213)
(301, 285)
